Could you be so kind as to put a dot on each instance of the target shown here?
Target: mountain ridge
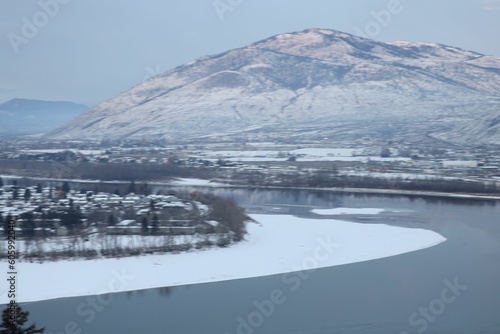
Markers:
(30, 116)
(308, 77)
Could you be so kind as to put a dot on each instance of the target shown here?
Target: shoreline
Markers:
(394, 192)
(208, 184)
(313, 244)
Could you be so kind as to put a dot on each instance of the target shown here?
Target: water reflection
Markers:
(164, 292)
(324, 197)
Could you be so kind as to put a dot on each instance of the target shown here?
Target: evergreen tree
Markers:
(46, 224)
(155, 224)
(145, 189)
(65, 187)
(144, 225)
(48, 220)
(1, 182)
(5, 224)
(111, 220)
(39, 188)
(15, 193)
(385, 153)
(72, 219)
(131, 187)
(2, 222)
(15, 324)
(27, 194)
(52, 215)
(28, 226)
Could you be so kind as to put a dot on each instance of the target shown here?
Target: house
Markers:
(62, 231)
(127, 226)
(207, 227)
(460, 164)
(143, 212)
(126, 222)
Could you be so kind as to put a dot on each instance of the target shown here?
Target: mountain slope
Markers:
(306, 82)
(482, 129)
(25, 116)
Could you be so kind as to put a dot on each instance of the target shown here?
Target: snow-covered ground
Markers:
(304, 154)
(363, 159)
(398, 175)
(328, 152)
(276, 244)
(195, 182)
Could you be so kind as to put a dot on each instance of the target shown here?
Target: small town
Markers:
(57, 218)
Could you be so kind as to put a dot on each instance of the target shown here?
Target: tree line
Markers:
(101, 170)
(331, 179)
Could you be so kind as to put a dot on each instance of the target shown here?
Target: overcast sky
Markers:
(90, 50)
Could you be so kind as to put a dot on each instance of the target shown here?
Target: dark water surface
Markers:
(450, 288)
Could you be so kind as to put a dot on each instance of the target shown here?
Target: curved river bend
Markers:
(452, 288)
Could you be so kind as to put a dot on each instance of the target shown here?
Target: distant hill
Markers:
(24, 116)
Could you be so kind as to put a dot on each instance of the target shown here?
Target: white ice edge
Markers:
(348, 211)
(278, 244)
(195, 182)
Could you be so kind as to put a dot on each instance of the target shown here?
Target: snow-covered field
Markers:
(404, 176)
(85, 152)
(328, 152)
(304, 154)
(277, 244)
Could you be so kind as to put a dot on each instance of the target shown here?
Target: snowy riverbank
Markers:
(277, 244)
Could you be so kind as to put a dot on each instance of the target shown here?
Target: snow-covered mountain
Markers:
(315, 82)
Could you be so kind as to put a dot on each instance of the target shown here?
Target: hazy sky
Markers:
(90, 50)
